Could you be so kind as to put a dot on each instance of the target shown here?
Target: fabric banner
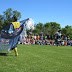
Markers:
(4, 45)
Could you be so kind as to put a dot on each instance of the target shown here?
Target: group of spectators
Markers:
(58, 39)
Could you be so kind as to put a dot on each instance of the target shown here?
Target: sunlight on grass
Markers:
(38, 58)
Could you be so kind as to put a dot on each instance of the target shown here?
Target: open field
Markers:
(38, 58)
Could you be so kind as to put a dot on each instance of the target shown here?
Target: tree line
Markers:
(49, 28)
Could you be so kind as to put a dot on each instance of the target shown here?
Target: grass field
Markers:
(38, 58)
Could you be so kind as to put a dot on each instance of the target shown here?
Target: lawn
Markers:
(38, 58)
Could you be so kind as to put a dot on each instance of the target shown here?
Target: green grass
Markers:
(38, 58)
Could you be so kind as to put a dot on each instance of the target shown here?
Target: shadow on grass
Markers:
(3, 54)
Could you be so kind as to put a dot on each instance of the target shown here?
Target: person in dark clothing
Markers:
(58, 38)
(13, 41)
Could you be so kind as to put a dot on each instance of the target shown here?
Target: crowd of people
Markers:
(58, 39)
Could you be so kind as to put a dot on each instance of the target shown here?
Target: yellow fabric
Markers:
(16, 24)
(16, 52)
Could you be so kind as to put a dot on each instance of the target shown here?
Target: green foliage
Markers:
(38, 58)
(8, 17)
(51, 27)
(39, 28)
(1, 21)
(67, 31)
(47, 28)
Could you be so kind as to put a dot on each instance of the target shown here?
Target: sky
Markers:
(43, 11)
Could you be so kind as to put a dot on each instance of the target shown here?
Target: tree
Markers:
(51, 27)
(8, 17)
(67, 31)
(1, 21)
(39, 28)
(48, 28)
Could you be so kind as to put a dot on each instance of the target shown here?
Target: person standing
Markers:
(58, 38)
(14, 41)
